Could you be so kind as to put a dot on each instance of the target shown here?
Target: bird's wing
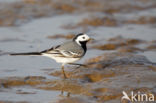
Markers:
(70, 54)
(57, 52)
(71, 49)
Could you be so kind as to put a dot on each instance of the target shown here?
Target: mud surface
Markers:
(121, 58)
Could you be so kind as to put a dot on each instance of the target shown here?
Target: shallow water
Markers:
(28, 94)
(33, 36)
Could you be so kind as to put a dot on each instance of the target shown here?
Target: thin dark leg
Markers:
(62, 92)
(63, 72)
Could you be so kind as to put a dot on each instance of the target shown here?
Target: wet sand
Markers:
(121, 58)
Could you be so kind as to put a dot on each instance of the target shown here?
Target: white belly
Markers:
(61, 59)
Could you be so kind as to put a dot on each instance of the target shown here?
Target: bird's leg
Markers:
(62, 92)
(63, 71)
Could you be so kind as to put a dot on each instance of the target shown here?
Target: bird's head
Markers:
(81, 38)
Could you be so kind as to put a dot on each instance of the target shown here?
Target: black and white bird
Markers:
(66, 53)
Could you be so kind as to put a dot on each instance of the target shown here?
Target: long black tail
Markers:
(31, 53)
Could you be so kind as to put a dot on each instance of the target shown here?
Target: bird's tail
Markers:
(30, 53)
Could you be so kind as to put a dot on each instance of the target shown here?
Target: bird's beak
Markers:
(91, 39)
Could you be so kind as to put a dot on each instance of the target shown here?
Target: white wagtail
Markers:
(67, 53)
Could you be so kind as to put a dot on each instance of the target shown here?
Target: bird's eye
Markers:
(83, 37)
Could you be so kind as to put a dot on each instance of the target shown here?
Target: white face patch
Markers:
(82, 38)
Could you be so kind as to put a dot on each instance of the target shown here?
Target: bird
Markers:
(65, 53)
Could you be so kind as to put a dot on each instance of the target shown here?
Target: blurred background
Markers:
(122, 53)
